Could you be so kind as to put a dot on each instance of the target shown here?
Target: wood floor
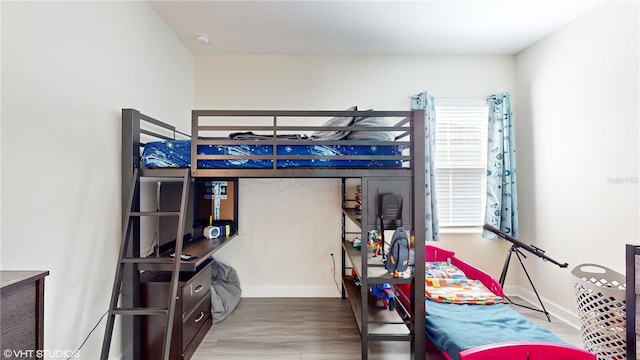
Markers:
(314, 329)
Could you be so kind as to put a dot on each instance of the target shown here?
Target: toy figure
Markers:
(375, 239)
(378, 242)
(357, 243)
(354, 278)
(372, 237)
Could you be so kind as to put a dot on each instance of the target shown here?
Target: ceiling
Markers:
(368, 27)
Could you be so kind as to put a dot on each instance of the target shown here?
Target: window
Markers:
(461, 161)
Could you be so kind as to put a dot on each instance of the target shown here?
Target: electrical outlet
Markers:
(333, 263)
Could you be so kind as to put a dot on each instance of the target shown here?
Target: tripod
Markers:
(515, 249)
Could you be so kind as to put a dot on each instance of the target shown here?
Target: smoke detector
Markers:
(203, 39)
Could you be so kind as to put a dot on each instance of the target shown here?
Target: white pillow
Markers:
(373, 135)
(336, 121)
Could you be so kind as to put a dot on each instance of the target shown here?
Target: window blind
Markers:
(460, 161)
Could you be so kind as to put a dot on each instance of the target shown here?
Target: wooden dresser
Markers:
(192, 318)
(22, 313)
(633, 302)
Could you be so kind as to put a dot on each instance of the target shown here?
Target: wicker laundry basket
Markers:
(600, 293)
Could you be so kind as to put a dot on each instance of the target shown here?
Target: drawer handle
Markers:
(200, 317)
(199, 288)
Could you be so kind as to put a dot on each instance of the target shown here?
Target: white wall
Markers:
(578, 106)
(67, 70)
(69, 67)
(289, 227)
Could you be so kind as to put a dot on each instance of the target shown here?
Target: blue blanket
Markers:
(453, 328)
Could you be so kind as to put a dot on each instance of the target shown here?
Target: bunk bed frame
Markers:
(410, 135)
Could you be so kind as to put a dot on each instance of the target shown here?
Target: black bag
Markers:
(398, 258)
(390, 214)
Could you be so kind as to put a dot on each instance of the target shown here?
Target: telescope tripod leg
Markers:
(544, 310)
(503, 276)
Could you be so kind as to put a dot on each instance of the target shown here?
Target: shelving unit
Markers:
(374, 323)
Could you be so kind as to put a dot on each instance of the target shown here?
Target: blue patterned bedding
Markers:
(177, 154)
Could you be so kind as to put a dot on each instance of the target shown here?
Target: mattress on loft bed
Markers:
(177, 154)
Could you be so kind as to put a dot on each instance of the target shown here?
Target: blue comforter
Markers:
(453, 328)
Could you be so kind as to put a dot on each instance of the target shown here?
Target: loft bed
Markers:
(465, 318)
(227, 145)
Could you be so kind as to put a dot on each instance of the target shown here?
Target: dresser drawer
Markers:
(195, 289)
(22, 311)
(18, 323)
(200, 315)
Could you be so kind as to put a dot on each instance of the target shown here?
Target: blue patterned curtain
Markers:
(502, 196)
(424, 101)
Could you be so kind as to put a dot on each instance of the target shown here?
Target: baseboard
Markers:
(290, 291)
(569, 317)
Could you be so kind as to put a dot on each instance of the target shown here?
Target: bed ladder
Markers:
(124, 260)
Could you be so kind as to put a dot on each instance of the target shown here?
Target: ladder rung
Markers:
(156, 213)
(140, 311)
(148, 260)
(162, 173)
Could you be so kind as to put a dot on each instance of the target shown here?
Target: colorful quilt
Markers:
(443, 270)
(446, 283)
(459, 291)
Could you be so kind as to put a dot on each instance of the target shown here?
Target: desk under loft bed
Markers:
(227, 145)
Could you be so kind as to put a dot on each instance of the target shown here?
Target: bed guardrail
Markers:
(275, 141)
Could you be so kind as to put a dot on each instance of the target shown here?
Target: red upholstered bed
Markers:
(478, 332)
(530, 350)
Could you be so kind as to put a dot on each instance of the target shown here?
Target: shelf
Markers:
(376, 323)
(376, 273)
(383, 324)
(201, 247)
(351, 214)
(176, 173)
